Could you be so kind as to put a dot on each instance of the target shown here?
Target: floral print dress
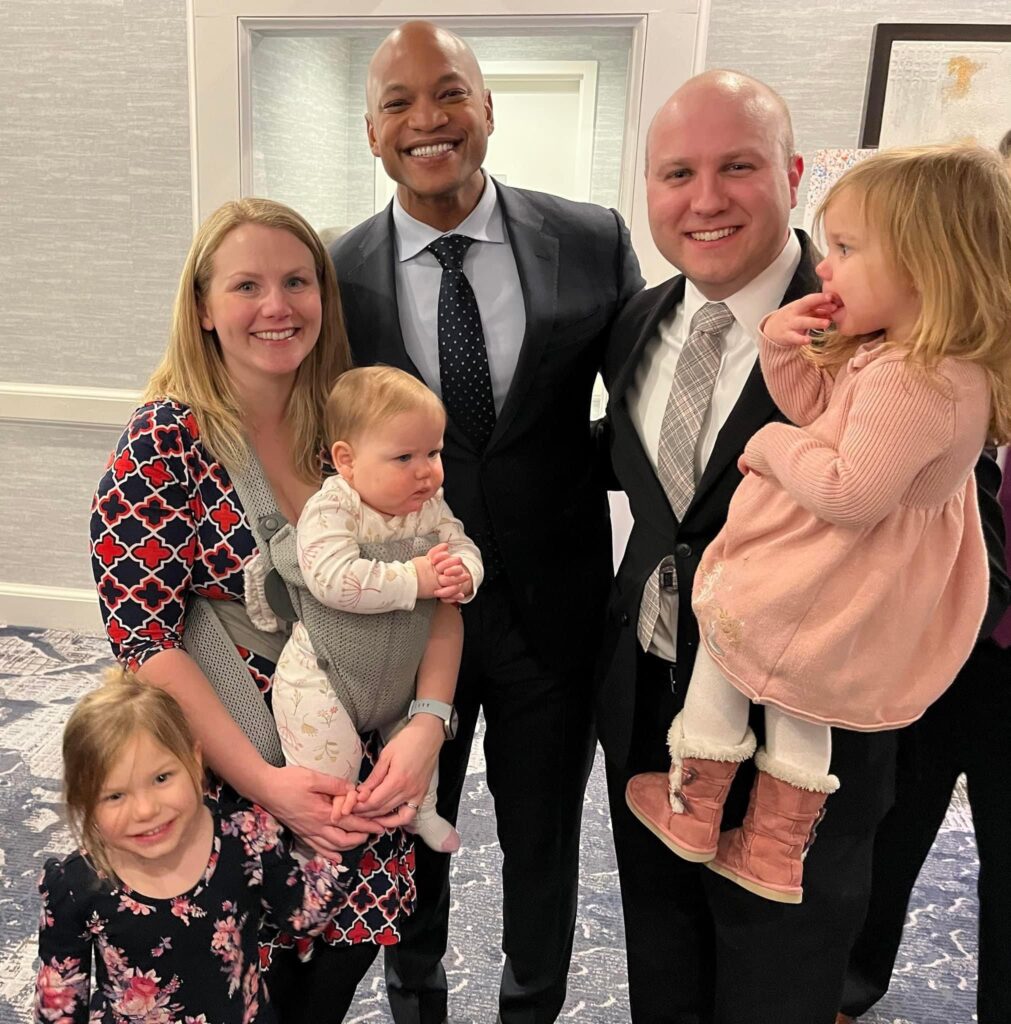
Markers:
(166, 523)
(192, 959)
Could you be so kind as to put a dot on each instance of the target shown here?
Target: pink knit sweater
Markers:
(850, 580)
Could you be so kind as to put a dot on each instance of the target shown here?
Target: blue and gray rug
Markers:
(43, 672)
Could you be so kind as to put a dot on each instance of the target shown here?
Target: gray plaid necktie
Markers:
(687, 404)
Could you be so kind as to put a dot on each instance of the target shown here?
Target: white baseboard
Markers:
(28, 604)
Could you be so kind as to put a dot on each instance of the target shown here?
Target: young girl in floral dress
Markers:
(849, 582)
(166, 892)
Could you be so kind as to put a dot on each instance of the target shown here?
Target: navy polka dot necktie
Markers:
(463, 358)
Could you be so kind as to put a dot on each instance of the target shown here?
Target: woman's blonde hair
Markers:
(192, 370)
(943, 217)
(369, 395)
(98, 730)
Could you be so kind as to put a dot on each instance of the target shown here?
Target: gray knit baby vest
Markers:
(371, 661)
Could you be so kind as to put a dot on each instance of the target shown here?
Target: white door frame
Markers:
(669, 46)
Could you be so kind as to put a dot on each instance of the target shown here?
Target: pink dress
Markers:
(850, 580)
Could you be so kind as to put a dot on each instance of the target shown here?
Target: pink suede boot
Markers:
(683, 809)
(766, 854)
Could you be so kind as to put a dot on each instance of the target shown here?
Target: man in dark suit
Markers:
(536, 282)
(722, 177)
(965, 731)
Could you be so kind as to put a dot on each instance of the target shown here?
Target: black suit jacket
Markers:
(864, 762)
(536, 478)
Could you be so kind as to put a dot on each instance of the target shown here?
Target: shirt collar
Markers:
(483, 224)
(760, 296)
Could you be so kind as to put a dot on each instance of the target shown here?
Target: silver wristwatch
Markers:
(446, 713)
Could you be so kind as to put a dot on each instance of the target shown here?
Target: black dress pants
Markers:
(538, 750)
(702, 950)
(321, 990)
(967, 730)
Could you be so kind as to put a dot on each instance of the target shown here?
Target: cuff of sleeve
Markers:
(135, 657)
(476, 570)
(754, 450)
(411, 596)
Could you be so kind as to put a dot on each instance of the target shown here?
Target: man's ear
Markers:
(794, 173)
(370, 131)
(489, 111)
(343, 458)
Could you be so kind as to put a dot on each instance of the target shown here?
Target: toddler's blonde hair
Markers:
(943, 217)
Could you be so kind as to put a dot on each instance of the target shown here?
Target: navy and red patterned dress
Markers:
(190, 958)
(165, 523)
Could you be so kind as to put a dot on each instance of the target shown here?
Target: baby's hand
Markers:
(428, 579)
(792, 324)
(343, 805)
(455, 582)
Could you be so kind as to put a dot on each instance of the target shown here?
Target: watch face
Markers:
(454, 722)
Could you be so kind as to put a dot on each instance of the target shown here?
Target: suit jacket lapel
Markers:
(670, 295)
(535, 248)
(638, 470)
(373, 284)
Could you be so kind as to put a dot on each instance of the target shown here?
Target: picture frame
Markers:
(934, 66)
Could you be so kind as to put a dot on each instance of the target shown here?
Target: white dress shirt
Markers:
(650, 389)
(489, 266)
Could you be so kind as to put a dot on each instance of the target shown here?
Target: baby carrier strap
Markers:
(211, 633)
(371, 661)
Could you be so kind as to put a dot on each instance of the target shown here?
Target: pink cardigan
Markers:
(850, 580)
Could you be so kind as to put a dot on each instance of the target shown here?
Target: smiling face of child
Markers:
(149, 809)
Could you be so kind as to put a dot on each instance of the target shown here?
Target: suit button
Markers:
(683, 550)
(624, 618)
(322, 663)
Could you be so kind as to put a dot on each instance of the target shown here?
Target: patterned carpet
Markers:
(43, 672)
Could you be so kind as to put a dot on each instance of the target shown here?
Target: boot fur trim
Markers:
(813, 782)
(680, 748)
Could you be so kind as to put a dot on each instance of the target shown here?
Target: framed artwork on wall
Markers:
(937, 83)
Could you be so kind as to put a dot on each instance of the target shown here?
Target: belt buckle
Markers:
(668, 577)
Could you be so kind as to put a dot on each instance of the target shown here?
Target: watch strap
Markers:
(439, 708)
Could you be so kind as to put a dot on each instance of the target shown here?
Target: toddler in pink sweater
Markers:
(849, 582)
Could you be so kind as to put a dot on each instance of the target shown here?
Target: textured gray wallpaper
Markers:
(94, 224)
(54, 470)
(816, 53)
(94, 186)
(300, 123)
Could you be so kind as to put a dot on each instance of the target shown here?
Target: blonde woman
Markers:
(256, 343)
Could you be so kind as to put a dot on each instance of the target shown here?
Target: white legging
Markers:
(717, 712)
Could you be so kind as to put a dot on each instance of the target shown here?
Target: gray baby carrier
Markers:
(371, 661)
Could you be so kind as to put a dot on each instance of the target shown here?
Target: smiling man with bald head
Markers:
(685, 395)
(536, 282)
(436, 160)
